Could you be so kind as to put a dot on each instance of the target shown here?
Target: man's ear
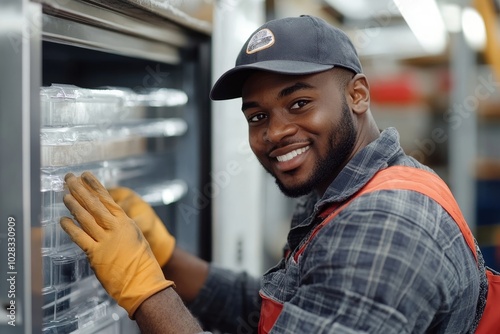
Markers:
(358, 91)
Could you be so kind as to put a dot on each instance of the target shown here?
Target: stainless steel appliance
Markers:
(119, 88)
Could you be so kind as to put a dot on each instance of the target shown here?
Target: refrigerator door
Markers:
(110, 88)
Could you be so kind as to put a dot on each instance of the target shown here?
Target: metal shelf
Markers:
(139, 33)
(153, 30)
(20, 52)
(151, 27)
(77, 34)
(185, 13)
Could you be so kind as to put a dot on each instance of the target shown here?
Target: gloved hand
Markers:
(117, 251)
(162, 243)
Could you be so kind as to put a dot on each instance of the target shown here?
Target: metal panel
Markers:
(151, 27)
(463, 138)
(22, 28)
(64, 31)
(187, 13)
(238, 180)
(20, 166)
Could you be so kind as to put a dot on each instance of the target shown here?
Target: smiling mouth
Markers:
(292, 154)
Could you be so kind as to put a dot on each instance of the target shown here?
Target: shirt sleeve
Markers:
(386, 264)
(228, 302)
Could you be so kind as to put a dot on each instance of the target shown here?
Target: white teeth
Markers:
(291, 155)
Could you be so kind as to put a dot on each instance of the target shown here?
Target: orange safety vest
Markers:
(426, 183)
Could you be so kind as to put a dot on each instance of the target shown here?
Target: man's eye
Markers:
(299, 104)
(256, 118)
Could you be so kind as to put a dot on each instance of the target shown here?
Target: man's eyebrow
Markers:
(292, 89)
(283, 93)
(248, 105)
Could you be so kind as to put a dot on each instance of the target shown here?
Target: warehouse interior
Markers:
(434, 72)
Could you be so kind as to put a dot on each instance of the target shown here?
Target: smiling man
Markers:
(377, 243)
(301, 128)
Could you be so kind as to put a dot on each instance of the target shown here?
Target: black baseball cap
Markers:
(293, 45)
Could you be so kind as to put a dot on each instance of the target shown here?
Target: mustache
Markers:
(285, 143)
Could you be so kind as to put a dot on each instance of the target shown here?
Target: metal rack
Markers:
(152, 31)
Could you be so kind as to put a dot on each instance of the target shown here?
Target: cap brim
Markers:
(230, 84)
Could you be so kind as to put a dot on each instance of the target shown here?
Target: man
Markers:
(386, 261)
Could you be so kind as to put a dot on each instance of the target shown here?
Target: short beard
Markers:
(342, 139)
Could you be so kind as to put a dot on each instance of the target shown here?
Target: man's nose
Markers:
(279, 127)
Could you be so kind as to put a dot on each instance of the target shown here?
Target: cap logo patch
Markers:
(261, 40)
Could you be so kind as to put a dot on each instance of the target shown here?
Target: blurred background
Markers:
(121, 88)
(434, 73)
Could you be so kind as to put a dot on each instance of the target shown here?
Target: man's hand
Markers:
(162, 243)
(117, 250)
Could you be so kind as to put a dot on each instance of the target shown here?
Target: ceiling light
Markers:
(452, 16)
(355, 9)
(473, 28)
(425, 21)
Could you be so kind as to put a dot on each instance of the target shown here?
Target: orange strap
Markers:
(407, 178)
(490, 320)
(426, 183)
(269, 312)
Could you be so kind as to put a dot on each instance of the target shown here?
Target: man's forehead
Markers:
(261, 80)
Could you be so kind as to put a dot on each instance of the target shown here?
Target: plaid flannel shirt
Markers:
(393, 261)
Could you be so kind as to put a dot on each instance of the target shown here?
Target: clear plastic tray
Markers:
(53, 208)
(63, 268)
(168, 127)
(54, 237)
(48, 235)
(69, 105)
(163, 193)
(63, 146)
(53, 188)
(61, 327)
(71, 153)
(153, 97)
(90, 314)
(75, 309)
(109, 173)
(52, 178)
(72, 105)
(161, 97)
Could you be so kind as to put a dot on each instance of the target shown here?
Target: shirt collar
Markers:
(375, 156)
(371, 159)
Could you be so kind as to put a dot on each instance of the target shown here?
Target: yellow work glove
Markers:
(117, 251)
(162, 243)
